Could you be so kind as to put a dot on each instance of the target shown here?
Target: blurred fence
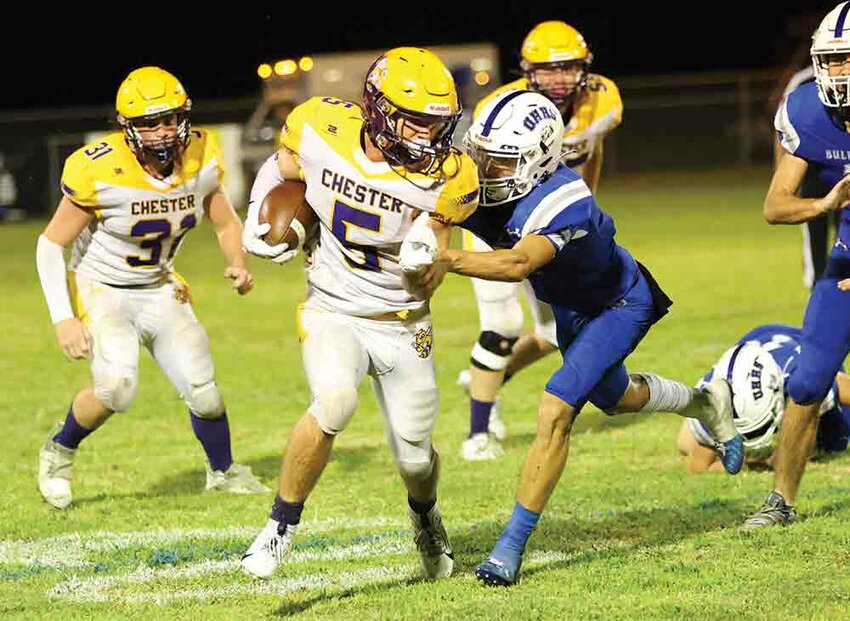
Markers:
(670, 122)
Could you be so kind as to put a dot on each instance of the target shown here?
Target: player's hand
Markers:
(74, 339)
(253, 243)
(838, 196)
(433, 275)
(424, 282)
(419, 248)
(844, 284)
(242, 279)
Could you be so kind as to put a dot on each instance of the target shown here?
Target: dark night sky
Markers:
(81, 59)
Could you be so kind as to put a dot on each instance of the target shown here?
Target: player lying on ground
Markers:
(759, 368)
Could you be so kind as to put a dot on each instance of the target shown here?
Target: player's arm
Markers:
(509, 265)
(228, 229)
(275, 170)
(428, 237)
(843, 381)
(783, 206)
(287, 164)
(698, 458)
(67, 223)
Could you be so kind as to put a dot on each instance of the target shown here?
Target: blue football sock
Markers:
(511, 544)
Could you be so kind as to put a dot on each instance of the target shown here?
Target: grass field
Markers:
(627, 534)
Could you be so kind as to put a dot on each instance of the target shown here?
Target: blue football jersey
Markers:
(810, 131)
(589, 271)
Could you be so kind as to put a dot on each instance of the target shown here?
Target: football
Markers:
(292, 219)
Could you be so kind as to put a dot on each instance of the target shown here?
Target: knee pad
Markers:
(503, 316)
(205, 401)
(116, 390)
(334, 408)
(492, 351)
(415, 460)
(806, 387)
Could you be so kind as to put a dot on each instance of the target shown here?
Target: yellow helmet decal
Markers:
(554, 41)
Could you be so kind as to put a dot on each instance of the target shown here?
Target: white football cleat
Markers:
(464, 379)
(713, 407)
(238, 479)
(496, 425)
(431, 540)
(55, 463)
(268, 550)
(716, 414)
(481, 447)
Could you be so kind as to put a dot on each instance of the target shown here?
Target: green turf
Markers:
(627, 534)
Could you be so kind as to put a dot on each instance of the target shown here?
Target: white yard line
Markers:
(70, 550)
(170, 582)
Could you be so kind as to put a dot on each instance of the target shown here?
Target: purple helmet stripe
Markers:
(732, 359)
(729, 369)
(488, 125)
(839, 24)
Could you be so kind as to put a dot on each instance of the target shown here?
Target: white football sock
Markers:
(666, 395)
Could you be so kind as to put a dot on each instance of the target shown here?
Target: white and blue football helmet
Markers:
(831, 44)
(516, 142)
(758, 398)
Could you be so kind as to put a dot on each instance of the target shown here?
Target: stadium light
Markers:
(305, 64)
(264, 71)
(481, 64)
(285, 67)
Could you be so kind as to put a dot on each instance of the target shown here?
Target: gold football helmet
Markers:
(147, 98)
(411, 108)
(555, 48)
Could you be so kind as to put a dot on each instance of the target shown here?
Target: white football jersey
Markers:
(365, 208)
(140, 220)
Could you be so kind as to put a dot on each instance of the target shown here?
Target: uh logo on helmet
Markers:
(153, 110)
(830, 52)
(516, 142)
(758, 392)
(409, 92)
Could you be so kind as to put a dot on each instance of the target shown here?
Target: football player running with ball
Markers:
(546, 226)
(369, 172)
(128, 202)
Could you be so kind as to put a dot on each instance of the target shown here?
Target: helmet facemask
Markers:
(508, 174)
(163, 151)
(834, 90)
(830, 55)
(559, 96)
(385, 124)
